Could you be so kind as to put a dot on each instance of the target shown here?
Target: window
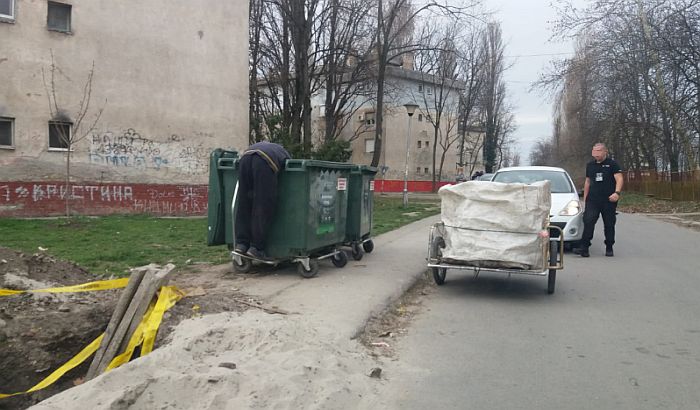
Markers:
(430, 90)
(6, 132)
(369, 118)
(59, 135)
(369, 145)
(420, 117)
(7, 9)
(417, 170)
(58, 17)
(420, 88)
(426, 170)
(427, 144)
(419, 144)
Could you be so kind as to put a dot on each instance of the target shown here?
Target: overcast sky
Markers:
(526, 31)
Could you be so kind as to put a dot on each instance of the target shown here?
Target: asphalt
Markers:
(344, 299)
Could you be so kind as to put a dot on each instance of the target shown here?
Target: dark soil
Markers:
(39, 332)
(382, 333)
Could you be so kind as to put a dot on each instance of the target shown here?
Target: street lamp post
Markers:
(410, 109)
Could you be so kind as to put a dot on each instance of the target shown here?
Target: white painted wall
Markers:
(173, 73)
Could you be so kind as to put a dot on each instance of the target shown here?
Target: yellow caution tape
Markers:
(169, 295)
(145, 333)
(85, 287)
(147, 330)
(72, 363)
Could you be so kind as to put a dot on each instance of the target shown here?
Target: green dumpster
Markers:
(311, 217)
(360, 205)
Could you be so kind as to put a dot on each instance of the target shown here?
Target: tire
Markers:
(357, 252)
(313, 264)
(368, 246)
(439, 274)
(340, 259)
(244, 267)
(552, 276)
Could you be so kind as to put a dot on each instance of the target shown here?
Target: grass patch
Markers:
(634, 202)
(390, 214)
(113, 244)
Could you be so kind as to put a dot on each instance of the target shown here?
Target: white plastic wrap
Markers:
(495, 225)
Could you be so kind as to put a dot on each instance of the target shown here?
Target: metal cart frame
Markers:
(552, 257)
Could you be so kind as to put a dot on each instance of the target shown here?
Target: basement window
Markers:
(59, 135)
(58, 17)
(7, 128)
(7, 10)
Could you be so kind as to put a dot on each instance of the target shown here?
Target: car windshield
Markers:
(560, 182)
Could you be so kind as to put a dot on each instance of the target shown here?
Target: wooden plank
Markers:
(160, 279)
(136, 309)
(123, 303)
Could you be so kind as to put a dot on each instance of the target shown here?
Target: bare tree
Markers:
(394, 38)
(633, 82)
(70, 127)
(498, 121)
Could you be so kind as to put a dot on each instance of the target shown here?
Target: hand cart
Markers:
(552, 257)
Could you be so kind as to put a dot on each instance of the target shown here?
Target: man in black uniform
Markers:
(257, 195)
(601, 192)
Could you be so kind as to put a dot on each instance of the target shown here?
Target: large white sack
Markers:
(496, 225)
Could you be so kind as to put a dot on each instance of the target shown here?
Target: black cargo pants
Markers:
(257, 200)
(590, 217)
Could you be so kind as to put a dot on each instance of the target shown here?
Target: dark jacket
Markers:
(274, 154)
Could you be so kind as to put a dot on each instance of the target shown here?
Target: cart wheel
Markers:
(340, 259)
(368, 246)
(357, 252)
(439, 274)
(552, 277)
(313, 264)
(244, 267)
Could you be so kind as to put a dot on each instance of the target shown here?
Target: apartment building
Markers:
(135, 93)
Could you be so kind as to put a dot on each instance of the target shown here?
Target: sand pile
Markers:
(235, 361)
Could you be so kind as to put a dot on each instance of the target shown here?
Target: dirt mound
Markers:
(41, 331)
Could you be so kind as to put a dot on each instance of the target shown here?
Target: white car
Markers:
(566, 211)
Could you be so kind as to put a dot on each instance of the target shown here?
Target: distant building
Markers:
(403, 86)
(172, 83)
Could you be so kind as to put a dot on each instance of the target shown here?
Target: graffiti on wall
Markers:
(40, 199)
(132, 150)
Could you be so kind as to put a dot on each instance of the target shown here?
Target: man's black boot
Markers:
(609, 250)
(584, 252)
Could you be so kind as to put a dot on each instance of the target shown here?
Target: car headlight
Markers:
(571, 209)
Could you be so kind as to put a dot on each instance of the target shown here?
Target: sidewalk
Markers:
(346, 298)
(306, 359)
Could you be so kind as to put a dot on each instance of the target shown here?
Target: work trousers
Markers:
(590, 217)
(257, 200)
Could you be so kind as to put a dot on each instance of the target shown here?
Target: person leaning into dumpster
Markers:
(601, 192)
(257, 195)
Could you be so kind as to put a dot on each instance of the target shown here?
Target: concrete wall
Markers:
(171, 75)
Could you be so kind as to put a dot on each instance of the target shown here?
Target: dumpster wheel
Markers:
(368, 246)
(340, 259)
(313, 271)
(244, 266)
(357, 252)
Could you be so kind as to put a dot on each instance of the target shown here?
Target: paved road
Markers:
(619, 333)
